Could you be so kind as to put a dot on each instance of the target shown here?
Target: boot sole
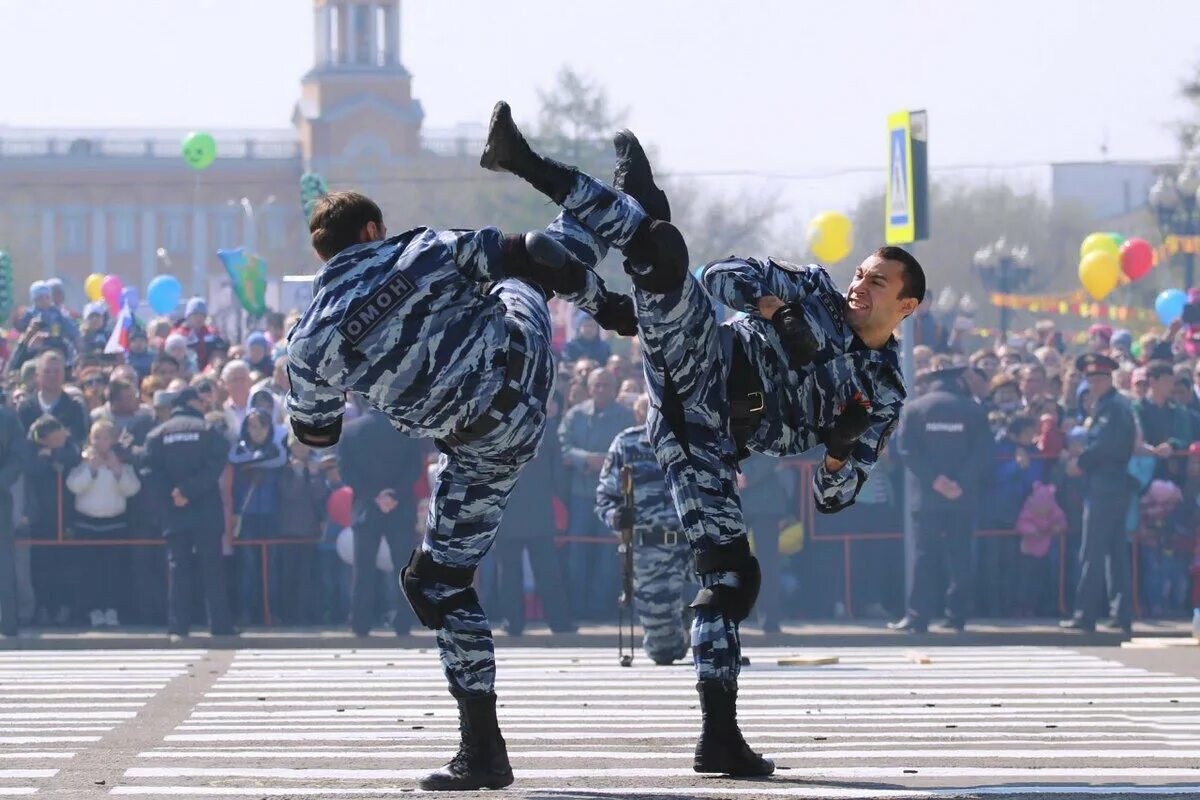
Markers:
(703, 770)
(490, 159)
(498, 782)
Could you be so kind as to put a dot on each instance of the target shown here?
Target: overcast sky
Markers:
(785, 87)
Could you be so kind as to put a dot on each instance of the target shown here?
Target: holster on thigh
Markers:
(422, 572)
(736, 602)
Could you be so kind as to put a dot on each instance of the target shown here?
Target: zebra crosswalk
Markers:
(54, 704)
(975, 722)
(1026, 721)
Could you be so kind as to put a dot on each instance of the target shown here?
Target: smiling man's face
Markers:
(873, 299)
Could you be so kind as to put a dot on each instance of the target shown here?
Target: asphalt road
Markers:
(971, 722)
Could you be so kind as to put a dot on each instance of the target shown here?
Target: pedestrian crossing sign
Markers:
(906, 200)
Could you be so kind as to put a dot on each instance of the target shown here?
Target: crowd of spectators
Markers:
(77, 412)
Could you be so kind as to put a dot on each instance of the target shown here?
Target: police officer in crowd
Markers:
(448, 333)
(381, 465)
(946, 444)
(12, 462)
(1111, 434)
(662, 559)
(184, 459)
(814, 367)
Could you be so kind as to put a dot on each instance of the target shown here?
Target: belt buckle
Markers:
(761, 401)
(671, 537)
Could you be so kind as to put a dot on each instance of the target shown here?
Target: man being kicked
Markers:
(806, 366)
(405, 322)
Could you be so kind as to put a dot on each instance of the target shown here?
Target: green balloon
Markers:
(199, 150)
(1116, 237)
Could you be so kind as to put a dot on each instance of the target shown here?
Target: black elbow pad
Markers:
(318, 436)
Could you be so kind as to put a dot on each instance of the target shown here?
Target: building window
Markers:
(227, 232)
(124, 232)
(74, 234)
(175, 234)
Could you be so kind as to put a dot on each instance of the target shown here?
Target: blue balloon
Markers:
(1169, 305)
(163, 293)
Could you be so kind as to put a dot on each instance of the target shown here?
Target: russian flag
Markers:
(118, 341)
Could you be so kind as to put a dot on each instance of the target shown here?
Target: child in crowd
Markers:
(102, 485)
(333, 575)
(48, 517)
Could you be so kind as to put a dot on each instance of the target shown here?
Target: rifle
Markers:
(625, 552)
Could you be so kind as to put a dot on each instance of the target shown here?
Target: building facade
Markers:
(73, 202)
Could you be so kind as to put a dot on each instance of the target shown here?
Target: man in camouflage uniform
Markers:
(662, 559)
(805, 366)
(405, 321)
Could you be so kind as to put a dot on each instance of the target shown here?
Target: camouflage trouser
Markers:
(474, 480)
(660, 572)
(685, 365)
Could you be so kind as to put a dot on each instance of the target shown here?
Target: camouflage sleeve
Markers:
(477, 254)
(608, 492)
(311, 401)
(834, 491)
(741, 282)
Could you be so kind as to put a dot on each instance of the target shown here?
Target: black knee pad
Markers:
(736, 603)
(422, 571)
(660, 247)
(537, 257)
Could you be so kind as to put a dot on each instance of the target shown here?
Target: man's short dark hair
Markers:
(913, 275)
(338, 220)
(1158, 369)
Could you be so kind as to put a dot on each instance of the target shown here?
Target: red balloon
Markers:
(339, 505)
(1137, 258)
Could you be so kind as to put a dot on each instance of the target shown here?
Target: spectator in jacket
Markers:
(381, 465)
(93, 336)
(139, 356)
(585, 433)
(184, 459)
(102, 484)
(1014, 473)
(301, 508)
(198, 336)
(50, 398)
(258, 354)
(528, 528)
(257, 460)
(236, 377)
(13, 454)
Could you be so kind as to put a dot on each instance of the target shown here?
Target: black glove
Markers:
(616, 313)
(850, 424)
(623, 519)
(798, 340)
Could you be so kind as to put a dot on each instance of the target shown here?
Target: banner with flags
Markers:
(248, 276)
(1074, 304)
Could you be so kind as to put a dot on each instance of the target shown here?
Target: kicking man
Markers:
(405, 321)
(806, 366)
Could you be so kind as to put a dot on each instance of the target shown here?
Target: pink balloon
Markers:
(110, 290)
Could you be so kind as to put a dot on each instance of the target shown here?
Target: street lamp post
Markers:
(1002, 269)
(1176, 206)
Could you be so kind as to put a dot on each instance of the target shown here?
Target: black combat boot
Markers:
(634, 177)
(721, 748)
(507, 151)
(482, 759)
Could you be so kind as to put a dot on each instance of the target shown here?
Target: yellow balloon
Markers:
(1099, 273)
(830, 236)
(1102, 242)
(791, 539)
(91, 286)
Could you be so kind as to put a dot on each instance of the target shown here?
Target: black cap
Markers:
(1096, 364)
(186, 396)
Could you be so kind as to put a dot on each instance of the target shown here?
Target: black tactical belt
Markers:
(730, 557)
(507, 399)
(746, 401)
(659, 536)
